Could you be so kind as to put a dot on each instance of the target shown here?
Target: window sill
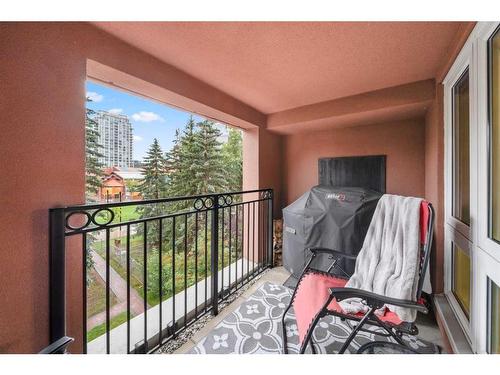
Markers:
(450, 326)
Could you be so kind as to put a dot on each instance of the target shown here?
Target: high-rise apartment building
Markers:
(115, 136)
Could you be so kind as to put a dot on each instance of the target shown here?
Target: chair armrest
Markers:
(58, 346)
(375, 300)
(323, 250)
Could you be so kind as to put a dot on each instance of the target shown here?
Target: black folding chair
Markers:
(318, 293)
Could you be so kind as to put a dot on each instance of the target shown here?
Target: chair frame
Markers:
(373, 301)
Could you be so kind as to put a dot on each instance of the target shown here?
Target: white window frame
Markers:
(455, 230)
(484, 252)
(484, 241)
(488, 254)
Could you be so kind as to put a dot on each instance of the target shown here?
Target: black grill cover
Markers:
(326, 216)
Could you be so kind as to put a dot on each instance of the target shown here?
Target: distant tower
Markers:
(115, 136)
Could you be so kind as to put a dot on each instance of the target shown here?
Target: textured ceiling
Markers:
(274, 66)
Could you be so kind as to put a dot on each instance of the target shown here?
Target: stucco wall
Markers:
(43, 68)
(402, 142)
(434, 182)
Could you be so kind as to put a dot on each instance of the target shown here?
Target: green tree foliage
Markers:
(196, 162)
(210, 174)
(153, 186)
(93, 166)
(182, 162)
(93, 171)
(154, 183)
(232, 156)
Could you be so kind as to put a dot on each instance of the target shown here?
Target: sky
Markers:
(149, 119)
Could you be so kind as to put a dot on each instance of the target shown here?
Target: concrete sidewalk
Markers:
(119, 288)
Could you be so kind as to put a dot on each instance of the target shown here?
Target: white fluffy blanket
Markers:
(388, 262)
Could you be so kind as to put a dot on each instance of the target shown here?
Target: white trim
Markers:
(488, 251)
(488, 268)
(455, 230)
(484, 241)
(453, 236)
(483, 251)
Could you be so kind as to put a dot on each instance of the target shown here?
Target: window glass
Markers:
(461, 161)
(461, 278)
(495, 135)
(494, 318)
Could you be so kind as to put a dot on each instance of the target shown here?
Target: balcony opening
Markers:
(160, 184)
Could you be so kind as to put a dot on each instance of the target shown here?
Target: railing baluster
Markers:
(160, 277)
(214, 255)
(108, 344)
(261, 237)
(236, 251)
(230, 235)
(84, 291)
(254, 245)
(185, 266)
(128, 288)
(57, 274)
(242, 243)
(206, 258)
(223, 245)
(270, 229)
(248, 243)
(145, 269)
(196, 265)
(253, 238)
(264, 239)
(174, 323)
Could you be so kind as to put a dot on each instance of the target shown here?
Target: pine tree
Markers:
(182, 162)
(154, 183)
(232, 157)
(153, 186)
(93, 166)
(210, 170)
(93, 172)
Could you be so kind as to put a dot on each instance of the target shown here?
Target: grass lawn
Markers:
(101, 329)
(126, 213)
(96, 295)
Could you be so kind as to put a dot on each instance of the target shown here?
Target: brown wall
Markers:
(42, 154)
(262, 163)
(434, 182)
(402, 142)
(43, 68)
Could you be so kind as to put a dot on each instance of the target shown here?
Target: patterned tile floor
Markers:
(252, 324)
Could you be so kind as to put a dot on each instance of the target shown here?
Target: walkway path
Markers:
(119, 287)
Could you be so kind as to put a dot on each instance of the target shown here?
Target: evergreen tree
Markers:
(153, 186)
(232, 157)
(210, 176)
(93, 172)
(93, 166)
(154, 183)
(183, 162)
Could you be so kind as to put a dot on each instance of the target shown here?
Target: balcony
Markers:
(175, 274)
(158, 269)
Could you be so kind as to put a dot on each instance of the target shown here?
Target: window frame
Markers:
(485, 252)
(455, 230)
(485, 241)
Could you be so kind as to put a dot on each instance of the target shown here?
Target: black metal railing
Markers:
(149, 267)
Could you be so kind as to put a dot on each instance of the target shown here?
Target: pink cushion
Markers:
(314, 288)
(424, 221)
(313, 293)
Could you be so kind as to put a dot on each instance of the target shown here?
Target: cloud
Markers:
(115, 111)
(95, 97)
(137, 138)
(144, 116)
